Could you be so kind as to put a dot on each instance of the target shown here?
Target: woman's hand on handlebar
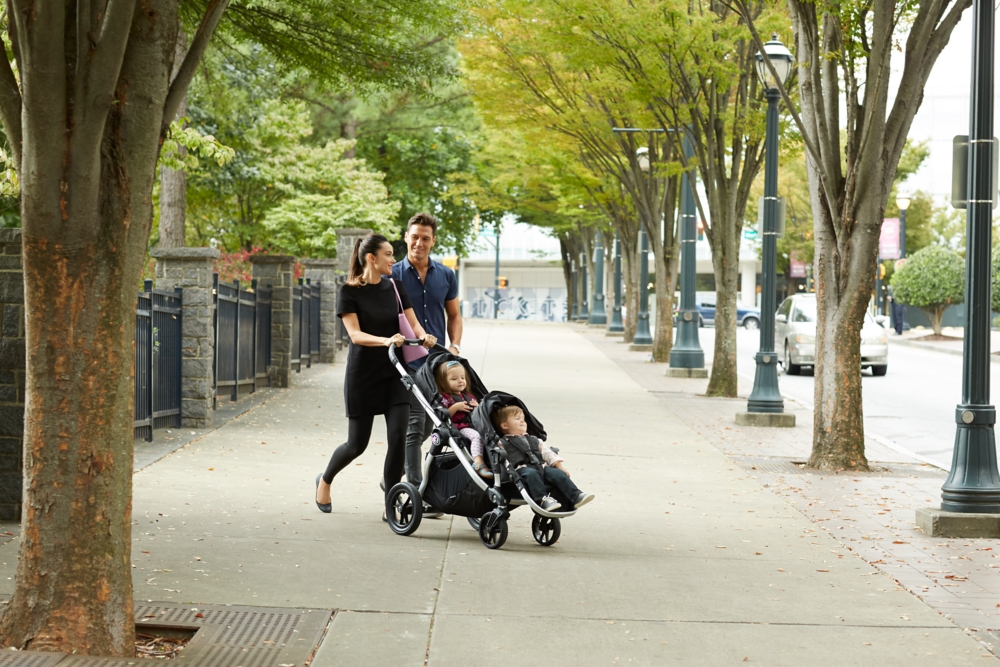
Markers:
(396, 340)
(428, 341)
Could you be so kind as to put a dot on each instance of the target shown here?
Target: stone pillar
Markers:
(277, 271)
(324, 272)
(12, 371)
(345, 244)
(192, 270)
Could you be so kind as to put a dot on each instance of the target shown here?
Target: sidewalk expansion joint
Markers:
(224, 636)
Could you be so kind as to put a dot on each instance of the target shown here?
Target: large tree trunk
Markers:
(666, 280)
(91, 125)
(630, 276)
(838, 414)
(937, 317)
(173, 182)
(725, 265)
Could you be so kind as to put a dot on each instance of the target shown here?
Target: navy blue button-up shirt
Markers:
(428, 297)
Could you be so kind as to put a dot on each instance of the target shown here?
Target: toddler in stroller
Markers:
(452, 383)
(541, 470)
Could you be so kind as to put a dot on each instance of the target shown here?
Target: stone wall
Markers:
(12, 374)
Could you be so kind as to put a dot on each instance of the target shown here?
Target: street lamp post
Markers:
(598, 314)
(584, 307)
(642, 334)
(765, 407)
(617, 326)
(899, 310)
(686, 357)
(973, 485)
(575, 315)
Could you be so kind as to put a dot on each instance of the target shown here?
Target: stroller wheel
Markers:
(403, 508)
(492, 530)
(474, 523)
(545, 530)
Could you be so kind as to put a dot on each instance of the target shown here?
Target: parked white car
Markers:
(795, 337)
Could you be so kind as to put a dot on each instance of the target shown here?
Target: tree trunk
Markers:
(725, 263)
(173, 183)
(92, 123)
(666, 279)
(936, 315)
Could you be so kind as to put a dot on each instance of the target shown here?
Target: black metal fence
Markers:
(242, 337)
(158, 330)
(305, 324)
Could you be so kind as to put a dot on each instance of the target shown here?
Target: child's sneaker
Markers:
(582, 499)
(550, 504)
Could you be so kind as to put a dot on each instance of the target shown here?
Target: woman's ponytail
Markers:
(369, 245)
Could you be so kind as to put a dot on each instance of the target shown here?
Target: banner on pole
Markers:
(888, 242)
(796, 268)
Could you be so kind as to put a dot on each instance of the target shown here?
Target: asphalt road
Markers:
(912, 406)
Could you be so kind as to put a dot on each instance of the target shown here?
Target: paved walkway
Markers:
(685, 557)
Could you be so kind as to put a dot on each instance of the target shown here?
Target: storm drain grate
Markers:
(224, 637)
(783, 466)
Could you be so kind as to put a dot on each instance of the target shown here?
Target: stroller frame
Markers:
(443, 435)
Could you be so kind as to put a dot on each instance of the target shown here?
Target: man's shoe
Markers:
(327, 507)
(550, 504)
(582, 499)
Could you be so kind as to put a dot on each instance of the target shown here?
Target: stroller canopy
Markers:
(482, 416)
(427, 384)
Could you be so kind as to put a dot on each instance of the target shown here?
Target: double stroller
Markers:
(450, 484)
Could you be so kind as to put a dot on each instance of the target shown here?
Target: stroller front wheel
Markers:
(403, 508)
(546, 530)
(474, 523)
(492, 530)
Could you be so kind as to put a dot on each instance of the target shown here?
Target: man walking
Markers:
(433, 289)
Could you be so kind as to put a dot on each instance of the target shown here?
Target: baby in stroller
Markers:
(451, 384)
(541, 470)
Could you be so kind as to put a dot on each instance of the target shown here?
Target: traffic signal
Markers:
(502, 282)
(881, 271)
(701, 230)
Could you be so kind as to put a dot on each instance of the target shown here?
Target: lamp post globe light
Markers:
(616, 326)
(598, 314)
(765, 407)
(643, 338)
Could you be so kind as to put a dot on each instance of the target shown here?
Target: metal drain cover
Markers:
(29, 658)
(224, 637)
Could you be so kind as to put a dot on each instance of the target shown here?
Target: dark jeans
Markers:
(551, 481)
(898, 317)
(418, 430)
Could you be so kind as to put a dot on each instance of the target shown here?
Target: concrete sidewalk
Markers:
(683, 557)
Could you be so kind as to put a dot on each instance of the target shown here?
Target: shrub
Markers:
(931, 280)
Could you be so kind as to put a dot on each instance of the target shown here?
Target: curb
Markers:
(933, 348)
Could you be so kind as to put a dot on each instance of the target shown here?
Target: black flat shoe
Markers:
(328, 507)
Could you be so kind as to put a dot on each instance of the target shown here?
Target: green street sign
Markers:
(750, 234)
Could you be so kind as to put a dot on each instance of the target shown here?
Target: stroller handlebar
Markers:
(413, 342)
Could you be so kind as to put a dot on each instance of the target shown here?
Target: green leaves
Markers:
(196, 143)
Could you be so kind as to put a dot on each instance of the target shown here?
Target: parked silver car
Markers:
(795, 337)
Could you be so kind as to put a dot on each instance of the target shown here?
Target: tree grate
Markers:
(29, 659)
(224, 637)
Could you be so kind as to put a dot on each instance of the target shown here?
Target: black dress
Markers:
(372, 384)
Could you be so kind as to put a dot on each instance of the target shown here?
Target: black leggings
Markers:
(359, 431)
